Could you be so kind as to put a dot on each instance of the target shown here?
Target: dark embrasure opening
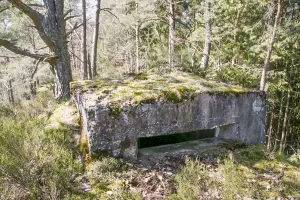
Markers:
(175, 138)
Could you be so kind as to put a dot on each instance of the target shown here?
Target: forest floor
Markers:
(221, 171)
(49, 135)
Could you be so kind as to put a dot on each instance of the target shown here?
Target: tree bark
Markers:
(137, 42)
(83, 43)
(270, 47)
(171, 32)
(270, 131)
(281, 146)
(95, 39)
(207, 45)
(51, 28)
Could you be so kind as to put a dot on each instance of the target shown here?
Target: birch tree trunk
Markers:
(95, 39)
(270, 47)
(207, 45)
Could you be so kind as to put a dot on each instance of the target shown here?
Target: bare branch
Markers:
(74, 28)
(33, 14)
(78, 37)
(70, 17)
(68, 12)
(35, 68)
(12, 47)
(109, 11)
(36, 5)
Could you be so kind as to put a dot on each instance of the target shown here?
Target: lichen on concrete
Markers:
(116, 112)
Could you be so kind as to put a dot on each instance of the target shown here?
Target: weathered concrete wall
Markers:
(234, 116)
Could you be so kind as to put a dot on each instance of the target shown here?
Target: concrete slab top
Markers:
(144, 88)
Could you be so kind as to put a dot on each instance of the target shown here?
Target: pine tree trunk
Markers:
(51, 28)
(171, 33)
(207, 45)
(83, 42)
(89, 64)
(270, 132)
(270, 47)
(54, 27)
(95, 39)
(281, 147)
(137, 44)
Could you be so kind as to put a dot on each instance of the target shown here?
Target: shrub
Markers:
(35, 163)
(191, 181)
(238, 76)
(103, 170)
(234, 184)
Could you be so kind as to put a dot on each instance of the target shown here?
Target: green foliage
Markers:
(103, 170)
(192, 181)
(39, 162)
(238, 76)
(235, 184)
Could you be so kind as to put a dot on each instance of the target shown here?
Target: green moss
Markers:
(148, 88)
(209, 84)
(140, 76)
(178, 94)
(115, 110)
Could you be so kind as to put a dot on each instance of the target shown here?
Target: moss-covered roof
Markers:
(145, 88)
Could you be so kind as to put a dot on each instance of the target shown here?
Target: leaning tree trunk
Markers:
(207, 45)
(95, 39)
(270, 47)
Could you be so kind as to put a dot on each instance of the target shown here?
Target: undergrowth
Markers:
(249, 173)
(35, 163)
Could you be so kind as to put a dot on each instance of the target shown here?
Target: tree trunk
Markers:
(137, 43)
(95, 39)
(137, 51)
(270, 47)
(270, 131)
(281, 146)
(83, 42)
(89, 64)
(171, 33)
(51, 28)
(207, 45)
(11, 98)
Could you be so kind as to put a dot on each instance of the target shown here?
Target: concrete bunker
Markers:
(121, 116)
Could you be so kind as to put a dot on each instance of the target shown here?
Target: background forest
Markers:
(253, 43)
(233, 41)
